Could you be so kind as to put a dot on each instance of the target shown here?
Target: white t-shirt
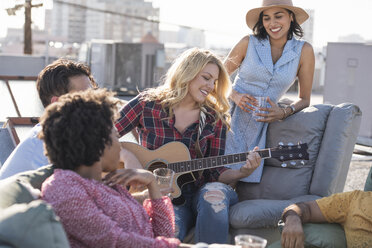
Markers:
(28, 155)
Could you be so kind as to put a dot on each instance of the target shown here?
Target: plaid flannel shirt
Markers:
(155, 129)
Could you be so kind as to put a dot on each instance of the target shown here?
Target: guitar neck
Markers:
(214, 162)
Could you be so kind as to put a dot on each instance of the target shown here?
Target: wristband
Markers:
(290, 212)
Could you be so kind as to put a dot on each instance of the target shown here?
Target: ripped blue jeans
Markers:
(208, 209)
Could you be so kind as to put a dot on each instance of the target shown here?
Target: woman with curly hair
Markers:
(82, 142)
(192, 107)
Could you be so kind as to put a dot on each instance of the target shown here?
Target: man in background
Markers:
(61, 77)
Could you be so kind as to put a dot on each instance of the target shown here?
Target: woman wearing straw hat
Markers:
(268, 62)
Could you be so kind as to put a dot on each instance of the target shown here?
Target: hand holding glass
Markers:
(164, 178)
(261, 103)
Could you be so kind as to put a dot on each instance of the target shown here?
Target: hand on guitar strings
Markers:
(253, 161)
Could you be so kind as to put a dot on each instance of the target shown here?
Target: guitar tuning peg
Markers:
(290, 144)
(302, 162)
(284, 165)
(293, 163)
(281, 143)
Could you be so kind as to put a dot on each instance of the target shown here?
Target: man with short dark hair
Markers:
(61, 77)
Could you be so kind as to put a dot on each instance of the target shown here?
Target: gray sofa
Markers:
(330, 132)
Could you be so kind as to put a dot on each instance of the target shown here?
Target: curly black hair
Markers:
(260, 32)
(76, 128)
(53, 80)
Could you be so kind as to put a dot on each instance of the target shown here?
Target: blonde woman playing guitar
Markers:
(197, 85)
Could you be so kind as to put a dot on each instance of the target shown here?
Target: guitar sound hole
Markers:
(157, 165)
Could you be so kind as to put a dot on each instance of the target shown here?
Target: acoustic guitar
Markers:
(175, 156)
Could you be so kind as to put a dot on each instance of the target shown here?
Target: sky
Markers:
(224, 20)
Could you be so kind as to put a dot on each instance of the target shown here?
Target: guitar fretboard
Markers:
(213, 162)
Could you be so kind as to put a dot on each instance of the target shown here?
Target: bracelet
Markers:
(293, 109)
(289, 212)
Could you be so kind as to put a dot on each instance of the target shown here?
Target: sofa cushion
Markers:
(23, 187)
(291, 183)
(325, 235)
(306, 126)
(31, 224)
(261, 213)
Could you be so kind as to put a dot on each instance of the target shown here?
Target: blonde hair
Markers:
(184, 69)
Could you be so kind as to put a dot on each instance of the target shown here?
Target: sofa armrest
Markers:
(336, 149)
(23, 187)
(32, 225)
(261, 213)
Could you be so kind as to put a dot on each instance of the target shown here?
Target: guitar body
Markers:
(169, 153)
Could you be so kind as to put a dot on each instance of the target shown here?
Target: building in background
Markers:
(178, 40)
(319, 71)
(68, 21)
(348, 78)
(125, 67)
(72, 22)
(308, 27)
(83, 20)
(43, 43)
(188, 37)
(351, 38)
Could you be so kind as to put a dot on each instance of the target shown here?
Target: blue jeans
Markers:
(208, 209)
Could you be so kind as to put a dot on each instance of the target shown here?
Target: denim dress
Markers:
(258, 76)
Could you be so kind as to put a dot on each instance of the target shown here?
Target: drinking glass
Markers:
(250, 241)
(164, 178)
(261, 103)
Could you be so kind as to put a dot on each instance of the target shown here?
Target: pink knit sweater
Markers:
(95, 215)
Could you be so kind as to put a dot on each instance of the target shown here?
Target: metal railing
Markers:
(15, 78)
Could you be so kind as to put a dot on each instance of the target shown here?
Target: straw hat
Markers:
(253, 14)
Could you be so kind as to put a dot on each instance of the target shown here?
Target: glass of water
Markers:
(250, 241)
(261, 103)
